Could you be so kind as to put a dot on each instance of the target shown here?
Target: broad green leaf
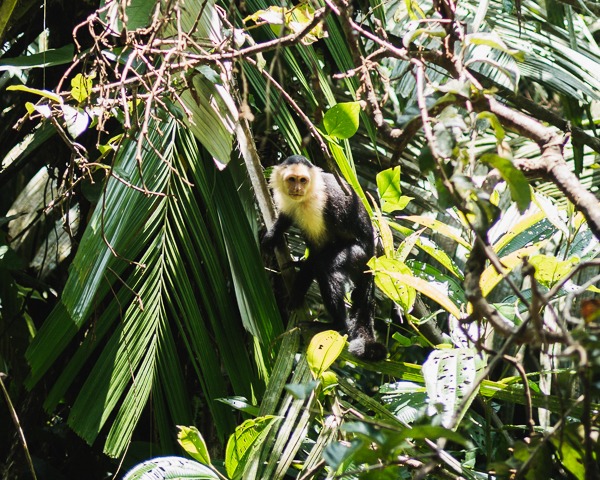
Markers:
(137, 14)
(429, 291)
(570, 447)
(323, 350)
(81, 87)
(490, 276)
(437, 227)
(388, 184)
(525, 223)
(193, 443)
(454, 86)
(439, 255)
(36, 91)
(272, 15)
(450, 378)
(495, 124)
(246, 437)
(494, 41)
(295, 19)
(49, 58)
(341, 120)
(520, 191)
(549, 269)
(329, 381)
(386, 271)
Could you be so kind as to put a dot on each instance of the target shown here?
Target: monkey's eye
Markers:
(303, 180)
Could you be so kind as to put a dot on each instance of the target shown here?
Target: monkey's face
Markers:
(296, 181)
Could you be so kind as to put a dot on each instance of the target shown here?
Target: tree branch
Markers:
(551, 163)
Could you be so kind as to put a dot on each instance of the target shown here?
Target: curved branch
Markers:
(551, 163)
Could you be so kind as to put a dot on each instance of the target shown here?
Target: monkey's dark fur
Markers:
(339, 234)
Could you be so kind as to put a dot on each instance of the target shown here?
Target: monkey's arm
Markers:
(274, 237)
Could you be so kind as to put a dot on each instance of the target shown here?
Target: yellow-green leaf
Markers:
(324, 348)
(81, 86)
(490, 276)
(193, 443)
(400, 292)
(494, 41)
(341, 120)
(35, 91)
(428, 290)
(549, 269)
(437, 227)
(240, 443)
(520, 191)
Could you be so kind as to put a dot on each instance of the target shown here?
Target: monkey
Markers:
(339, 235)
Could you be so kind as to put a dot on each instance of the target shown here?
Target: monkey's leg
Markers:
(361, 334)
(332, 284)
(363, 301)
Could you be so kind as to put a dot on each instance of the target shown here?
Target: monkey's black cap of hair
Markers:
(297, 159)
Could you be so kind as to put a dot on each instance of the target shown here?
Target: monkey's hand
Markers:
(270, 241)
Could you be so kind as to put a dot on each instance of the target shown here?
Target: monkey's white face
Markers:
(299, 192)
(296, 181)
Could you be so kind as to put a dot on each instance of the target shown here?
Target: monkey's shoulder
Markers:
(344, 209)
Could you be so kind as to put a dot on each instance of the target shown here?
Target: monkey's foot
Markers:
(367, 349)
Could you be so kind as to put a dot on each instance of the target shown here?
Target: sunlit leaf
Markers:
(76, 120)
(450, 378)
(388, 184)
(491, 277)
(193, 443)
(170, 468)
(36, 91)
(341, 120)
(81, 87)
(520, 191)
(386, 271)
(549, 269)
(323, 350)
(241, 443)
(494, 41)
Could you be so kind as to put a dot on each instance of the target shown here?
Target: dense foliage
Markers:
(138, 323)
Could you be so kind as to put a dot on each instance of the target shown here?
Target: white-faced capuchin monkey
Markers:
(339, 235)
